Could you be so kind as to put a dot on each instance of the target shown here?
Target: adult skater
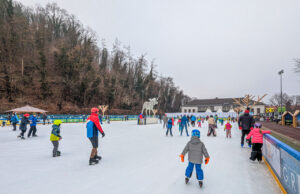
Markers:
(246, 123)
(23, 125)
(32, 120)
(196, 150)
(184, 123)
(44, 118)
(15, 121)
(211, 126)
(93, 126)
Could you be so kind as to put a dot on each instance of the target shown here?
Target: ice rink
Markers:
(136, 160)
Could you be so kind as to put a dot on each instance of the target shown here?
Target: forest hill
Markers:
(49, 60)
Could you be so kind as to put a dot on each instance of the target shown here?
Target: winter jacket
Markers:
(246, 121)
(55, 134)
(170, 124)
(193, 118)
(33, 120)
(23, 125)
(228, 126)
(93, 126)
(15, 119)
(257, 136)
(211, 121)
(184, 120)
(195, 149)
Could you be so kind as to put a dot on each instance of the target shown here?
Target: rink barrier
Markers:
(284, 163)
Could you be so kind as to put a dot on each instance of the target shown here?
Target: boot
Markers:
(34, 136)
(22, 137)
(186, 180)
(98, 157)
(54, 155)
(200, 184)
(93, 161)
(58, 153)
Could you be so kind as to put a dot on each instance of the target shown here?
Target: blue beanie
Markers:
(196, 133)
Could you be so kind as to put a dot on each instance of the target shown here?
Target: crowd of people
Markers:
(196, 149)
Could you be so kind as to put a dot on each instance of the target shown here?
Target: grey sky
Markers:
(211, 48)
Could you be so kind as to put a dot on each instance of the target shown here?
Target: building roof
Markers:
(214, 101)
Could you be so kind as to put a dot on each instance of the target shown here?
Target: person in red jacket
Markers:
(93, 128)
(257, 141)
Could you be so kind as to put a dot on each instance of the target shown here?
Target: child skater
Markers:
(257, 141)
(55, 137)
(199, 122)
(195, 149)
(228, 127)
(179, 124)
(169, 126)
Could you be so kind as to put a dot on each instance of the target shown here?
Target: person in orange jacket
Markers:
(196, 150)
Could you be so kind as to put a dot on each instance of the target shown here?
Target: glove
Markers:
(182, 158)
(206, 160)
(240, 127)
(103, 134)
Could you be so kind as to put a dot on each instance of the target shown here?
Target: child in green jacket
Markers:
(55, 137)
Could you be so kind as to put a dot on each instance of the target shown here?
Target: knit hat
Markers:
(196, 133)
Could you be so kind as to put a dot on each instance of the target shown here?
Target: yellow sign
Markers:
(269, 110)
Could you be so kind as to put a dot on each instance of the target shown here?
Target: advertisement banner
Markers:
(272, 154)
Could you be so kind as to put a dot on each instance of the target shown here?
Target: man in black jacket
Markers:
(246, 123)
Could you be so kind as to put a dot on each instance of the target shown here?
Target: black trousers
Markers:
(211, 130)
(32, 130)
(15, 126)
(244, 133)
(256, 152)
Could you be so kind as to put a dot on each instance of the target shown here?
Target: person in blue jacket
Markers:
(169, 127)
(14, 121)
(184, 122)
(32, 120)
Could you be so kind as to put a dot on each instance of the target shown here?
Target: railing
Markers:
(284, 161)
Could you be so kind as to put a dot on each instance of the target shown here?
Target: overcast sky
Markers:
(212, 48)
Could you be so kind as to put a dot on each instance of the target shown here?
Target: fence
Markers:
(285, 163)
(76, 118)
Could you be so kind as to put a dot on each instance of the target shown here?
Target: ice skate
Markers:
(58, 153)
(186, 180)
(93, 161)
(200, 184)
(34, 136)
(98, 157)
(22, 137)
(242, 145)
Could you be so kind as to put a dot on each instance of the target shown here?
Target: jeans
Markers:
(186, 130)
(190, 168)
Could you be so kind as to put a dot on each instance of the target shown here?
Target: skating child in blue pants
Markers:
(196, 150)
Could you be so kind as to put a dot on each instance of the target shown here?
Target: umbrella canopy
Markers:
(26, 109)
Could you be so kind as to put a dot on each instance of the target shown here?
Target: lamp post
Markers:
(280, 73)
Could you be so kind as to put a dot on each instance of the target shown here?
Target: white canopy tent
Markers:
(27, 109)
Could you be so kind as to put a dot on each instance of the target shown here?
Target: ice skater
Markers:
(15, 121)
(55, 137)
(169, 127)
(245, 123)
(257, 141)
(33, 120)
(211, 126)
(93, 127)
(23, 125)
(228, 127)
(195, 149)
(184, 122)
(199, 122)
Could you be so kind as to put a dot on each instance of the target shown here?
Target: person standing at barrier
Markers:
(15, 121)
(93, 127)
(257, 141)
(184, 122)
(246, 123)
(33, 120)
(23, 125)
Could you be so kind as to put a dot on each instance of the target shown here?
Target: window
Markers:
(258, 110)
(184, 110)
(194, 110)
(189, 110)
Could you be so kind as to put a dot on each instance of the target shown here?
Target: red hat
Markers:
(94, 110)
(26, 115)
(246, 111)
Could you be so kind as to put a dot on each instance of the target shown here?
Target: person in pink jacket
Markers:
(228, 127)
(257, 141)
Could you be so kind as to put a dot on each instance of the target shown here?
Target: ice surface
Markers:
(136, 160)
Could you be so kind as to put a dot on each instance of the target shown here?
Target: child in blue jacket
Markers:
(169, 127)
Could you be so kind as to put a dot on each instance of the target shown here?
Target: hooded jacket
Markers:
(14, 119)
(93, 126)
(246, 121)
(257, 136)
(195, 149)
